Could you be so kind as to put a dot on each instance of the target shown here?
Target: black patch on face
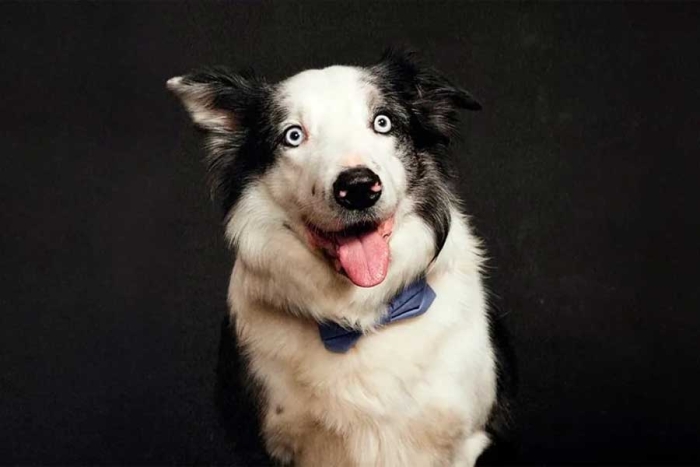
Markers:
(242, 151)
(425, 106)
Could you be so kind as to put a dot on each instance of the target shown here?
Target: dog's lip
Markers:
(327, 241)
(349, 230)
(352, 229)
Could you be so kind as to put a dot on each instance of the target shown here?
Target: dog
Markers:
(357, 297)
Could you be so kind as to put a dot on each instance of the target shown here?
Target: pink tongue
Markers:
(365, 258)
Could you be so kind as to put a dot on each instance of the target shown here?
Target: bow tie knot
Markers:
(412, 301)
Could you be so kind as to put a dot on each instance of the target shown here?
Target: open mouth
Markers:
(360, 252)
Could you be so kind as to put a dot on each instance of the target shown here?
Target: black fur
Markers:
(240, 154)
(427, 107)
(240, 399)
(502, 426)
(433, 103)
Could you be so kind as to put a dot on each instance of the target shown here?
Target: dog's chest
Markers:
(412, 384)
(394, 374)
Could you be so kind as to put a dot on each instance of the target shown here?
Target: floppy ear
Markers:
(435, 102)
(216, 99)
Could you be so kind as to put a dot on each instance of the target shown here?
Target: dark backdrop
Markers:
(581, 174)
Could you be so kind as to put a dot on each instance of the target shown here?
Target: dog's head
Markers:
(341, 151)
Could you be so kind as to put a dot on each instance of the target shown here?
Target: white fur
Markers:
(334, 107)
(440, 361)
(416, 392)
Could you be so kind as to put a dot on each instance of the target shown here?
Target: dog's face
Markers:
(342, 151)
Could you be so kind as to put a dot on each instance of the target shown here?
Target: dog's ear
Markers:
(427, 80)
(216, 98)
(228, 107)
(435, 101)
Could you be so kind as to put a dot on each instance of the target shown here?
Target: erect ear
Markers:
(216, 99)
(434, 100)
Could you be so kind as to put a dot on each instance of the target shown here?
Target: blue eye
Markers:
(294, 136)
(382, 124)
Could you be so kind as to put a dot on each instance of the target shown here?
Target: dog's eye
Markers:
(382, 124)
(293, 136)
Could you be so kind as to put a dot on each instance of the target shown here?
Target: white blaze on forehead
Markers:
(329, 99)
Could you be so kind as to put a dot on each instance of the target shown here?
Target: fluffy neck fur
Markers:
(275, 269)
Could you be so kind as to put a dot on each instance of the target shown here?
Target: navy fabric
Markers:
(412, 301)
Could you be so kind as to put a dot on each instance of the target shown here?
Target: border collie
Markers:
(356, 295)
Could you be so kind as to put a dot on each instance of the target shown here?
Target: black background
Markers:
(581, 174)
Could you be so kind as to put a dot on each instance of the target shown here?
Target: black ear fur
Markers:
(216, 98)
(435, 102)
(234, 111)
(406, 62)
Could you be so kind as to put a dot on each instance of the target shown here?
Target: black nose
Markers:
(357, 188)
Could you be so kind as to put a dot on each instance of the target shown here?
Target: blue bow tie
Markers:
(414, 300)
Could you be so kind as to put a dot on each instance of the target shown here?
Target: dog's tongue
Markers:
(365, 258)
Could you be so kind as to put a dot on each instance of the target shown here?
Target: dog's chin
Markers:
(359, 252)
